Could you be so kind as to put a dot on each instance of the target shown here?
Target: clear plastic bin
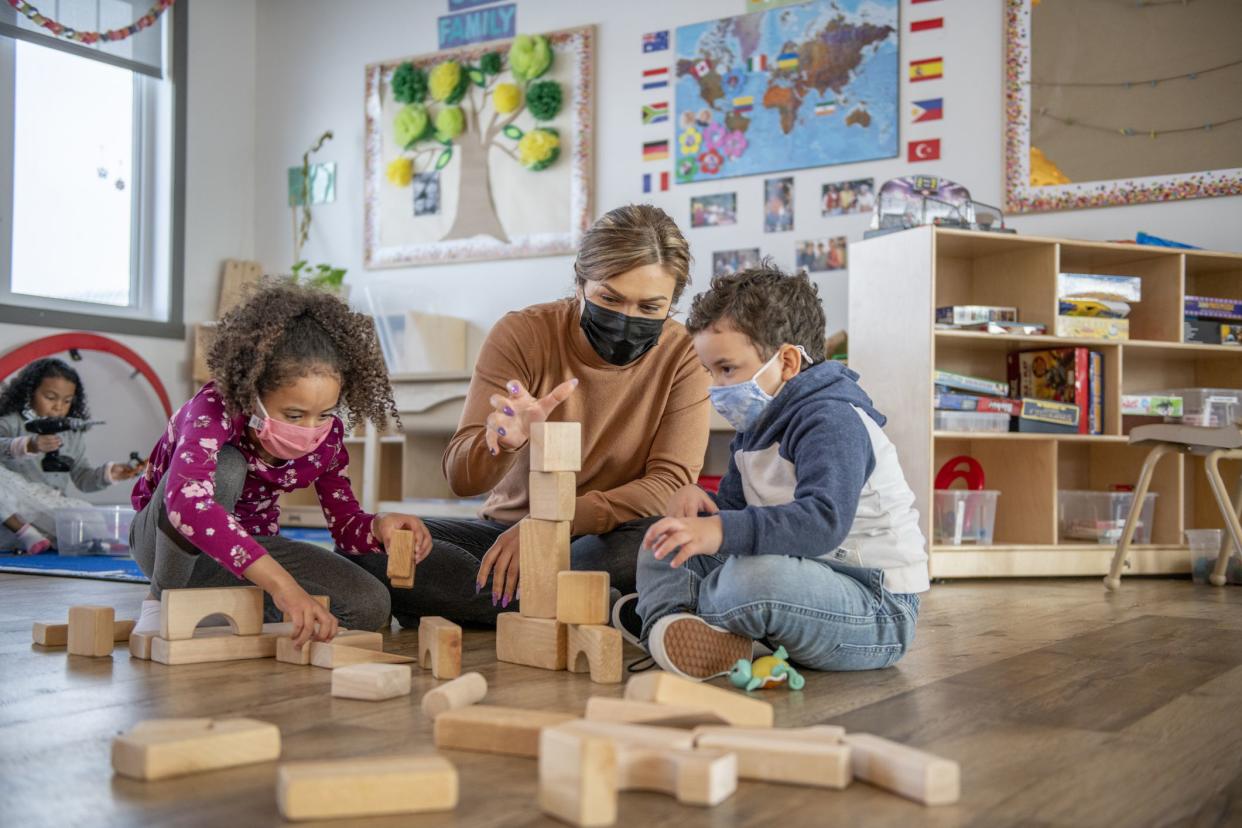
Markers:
(971, 421)
(1101, 516)
(1204, 549)
(1208, 406)
(97, 530)
(963, 516)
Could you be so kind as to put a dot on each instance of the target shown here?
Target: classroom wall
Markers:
(219, 225)
(311, 58)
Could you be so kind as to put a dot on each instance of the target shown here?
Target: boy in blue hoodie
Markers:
(812, 542)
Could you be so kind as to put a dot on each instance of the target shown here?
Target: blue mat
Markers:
(99, 567)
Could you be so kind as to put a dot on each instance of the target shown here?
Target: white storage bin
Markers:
(1101, 516)
(964, 516)
(1208, 406)
(975, 421)
(94, 530)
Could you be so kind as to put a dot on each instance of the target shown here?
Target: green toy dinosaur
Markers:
(768, 671)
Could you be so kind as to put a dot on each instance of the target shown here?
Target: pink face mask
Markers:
(286, 440)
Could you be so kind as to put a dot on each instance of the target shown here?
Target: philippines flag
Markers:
(931, 109)
(655, 41)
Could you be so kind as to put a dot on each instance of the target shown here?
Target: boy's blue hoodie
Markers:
(817, 477)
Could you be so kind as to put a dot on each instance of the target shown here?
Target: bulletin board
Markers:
(476, 196)
(1121, 102)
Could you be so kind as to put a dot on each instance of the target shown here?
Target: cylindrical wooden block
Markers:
(460, 692)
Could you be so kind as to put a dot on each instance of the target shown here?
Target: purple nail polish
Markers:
(478, 588)
(493, 600)
(500, 431)
(509, 411)
(513, 388)
(493, 451)
(504, 604)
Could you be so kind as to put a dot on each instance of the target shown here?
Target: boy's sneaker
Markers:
(688, 646)
(625, 618)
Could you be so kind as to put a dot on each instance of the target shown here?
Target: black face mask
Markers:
(617, 338)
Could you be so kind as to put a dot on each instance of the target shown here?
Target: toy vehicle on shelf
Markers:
(918, 200)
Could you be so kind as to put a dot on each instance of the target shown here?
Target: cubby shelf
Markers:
(897, 281)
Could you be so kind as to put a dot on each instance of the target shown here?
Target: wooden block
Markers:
(486, 728)
(544, 555)
(162, 748)
(577, 778)
(331, 655)
(204, 336)
(534, 642)
(555, 447)
(51, 634)
(181, 610)
(323, 601)
(400, 551)
(91, 630)
(237, 279)
(553, 495)
(140, 645)
(582, 597)
(767, 755)
(813, 735)
(439, 646)
(596, 649)
(462, 692)
(370, 786)
(213, 645)
(604, 709)
(907, 771)
(634, 735)
(363, 639)
(371, 682)
(666, 688)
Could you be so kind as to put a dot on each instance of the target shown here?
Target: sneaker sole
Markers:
(702, 652)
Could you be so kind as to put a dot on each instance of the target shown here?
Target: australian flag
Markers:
(655, 41)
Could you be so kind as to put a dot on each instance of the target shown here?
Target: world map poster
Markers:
(800, 86)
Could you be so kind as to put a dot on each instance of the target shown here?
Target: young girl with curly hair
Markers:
(289, 364)
(30, 496)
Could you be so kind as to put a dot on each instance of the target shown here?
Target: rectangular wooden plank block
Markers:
(331, 655)
(371, 682)
(595, 649)
(439, 646)
(605, 709)
(370, 786)
(577, 778)
(765, 755)
(400, 551)
(363, 639)
(91, 630)
(666, 688)
(181, 610)
(582, 597)
(213, 645)
(553, 495)
(555, 447)
(485, 728)
(544, 554)
(909, 772)
(51, 634)
(533, 642)
(162, 748)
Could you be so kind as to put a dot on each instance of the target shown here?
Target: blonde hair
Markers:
(633, 236)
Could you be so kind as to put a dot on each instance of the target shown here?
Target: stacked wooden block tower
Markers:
(563, 615)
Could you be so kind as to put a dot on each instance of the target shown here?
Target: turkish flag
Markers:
(928, 150)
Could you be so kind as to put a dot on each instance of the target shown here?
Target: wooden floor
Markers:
(1066, 706)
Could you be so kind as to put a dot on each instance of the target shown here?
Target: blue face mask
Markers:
(741, 404)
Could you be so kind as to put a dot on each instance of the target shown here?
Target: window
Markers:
(87, 223)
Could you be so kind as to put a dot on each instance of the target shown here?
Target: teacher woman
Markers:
(609, 358)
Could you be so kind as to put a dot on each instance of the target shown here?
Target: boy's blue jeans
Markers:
(827, 615)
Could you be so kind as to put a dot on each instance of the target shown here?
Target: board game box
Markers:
(1060, 375)
(1100, 286)
(1211, 307)
(1093, 327)
(976, 385)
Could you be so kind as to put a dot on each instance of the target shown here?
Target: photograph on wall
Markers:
(818, 255)
(778, 215)
(713, 210)
(481, 152)
(843, 197)
(804, 86)
(725, 262)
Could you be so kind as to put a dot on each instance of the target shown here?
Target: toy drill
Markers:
(52, 461)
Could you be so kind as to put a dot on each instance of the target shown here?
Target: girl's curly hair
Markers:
(284, 331)
(18, 394)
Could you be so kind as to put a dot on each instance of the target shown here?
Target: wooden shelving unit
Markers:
(897, 281)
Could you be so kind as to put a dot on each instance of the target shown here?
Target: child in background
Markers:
(287, 362)
(30, 496)
(813, 541)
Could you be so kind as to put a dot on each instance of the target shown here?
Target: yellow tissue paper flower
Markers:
(507, 98)
(444, 80)
(400, 171)
(538, 148)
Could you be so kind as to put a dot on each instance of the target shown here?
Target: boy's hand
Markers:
(687, 536)
(690, 501)
(385, 523)
(501, 562)
(508, 426)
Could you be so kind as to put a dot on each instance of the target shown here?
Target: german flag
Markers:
(655, 150)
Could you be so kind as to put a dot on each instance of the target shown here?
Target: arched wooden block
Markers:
(439, 647)
(181, 610)
(596, 649)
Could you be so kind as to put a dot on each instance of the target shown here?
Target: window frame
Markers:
(146, 284)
